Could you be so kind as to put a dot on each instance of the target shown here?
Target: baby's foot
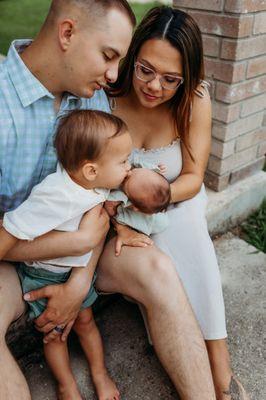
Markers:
(70, 392)
(105, 387)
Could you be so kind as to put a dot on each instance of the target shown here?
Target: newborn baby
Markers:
(145, 194)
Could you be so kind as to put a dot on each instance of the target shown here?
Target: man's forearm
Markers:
(51, 245)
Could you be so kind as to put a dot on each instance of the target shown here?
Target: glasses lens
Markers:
(143, 73)
(170, 82)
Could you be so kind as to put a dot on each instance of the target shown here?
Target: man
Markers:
(76, 53)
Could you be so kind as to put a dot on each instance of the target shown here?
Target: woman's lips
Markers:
(150, 97)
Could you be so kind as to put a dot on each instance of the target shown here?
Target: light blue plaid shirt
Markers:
(27, 126)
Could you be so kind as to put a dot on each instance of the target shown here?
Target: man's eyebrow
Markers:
(152, 67)
(115, 51)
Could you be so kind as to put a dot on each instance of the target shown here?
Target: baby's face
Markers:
(113, 166)
(137, 182)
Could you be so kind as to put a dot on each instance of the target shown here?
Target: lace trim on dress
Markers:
(158, 149)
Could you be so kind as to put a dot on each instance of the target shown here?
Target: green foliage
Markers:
(140, 9)
(20, 19)
(23, 18)
(255, 228)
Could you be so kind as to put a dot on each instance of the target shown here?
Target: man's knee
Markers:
(12, 305)
(161, 275)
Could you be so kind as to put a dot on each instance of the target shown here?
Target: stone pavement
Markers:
(133, 363)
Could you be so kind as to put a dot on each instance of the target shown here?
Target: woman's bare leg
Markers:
(148, 276)
(13, 385)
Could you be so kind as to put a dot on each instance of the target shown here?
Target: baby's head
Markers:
(148, 190)
(93, 147)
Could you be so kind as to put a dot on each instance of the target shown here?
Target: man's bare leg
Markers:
(13, 385)
(149, 277)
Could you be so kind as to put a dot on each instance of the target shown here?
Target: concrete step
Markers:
(132, 362)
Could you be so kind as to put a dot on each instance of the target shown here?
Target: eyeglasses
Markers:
(146, 74)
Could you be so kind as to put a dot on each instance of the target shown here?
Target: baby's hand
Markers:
(162, 168)
(111, 207)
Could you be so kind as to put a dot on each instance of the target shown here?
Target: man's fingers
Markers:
(47, 327)
(67, 330)
(37, 294)
(51, 336)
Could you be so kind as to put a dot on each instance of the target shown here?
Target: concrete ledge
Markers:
(235, 203)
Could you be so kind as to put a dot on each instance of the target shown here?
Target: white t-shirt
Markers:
(57, 203)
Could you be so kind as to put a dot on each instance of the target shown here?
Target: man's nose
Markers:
(112, 73)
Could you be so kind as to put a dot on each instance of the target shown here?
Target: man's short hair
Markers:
(91, 7)
(83, 135)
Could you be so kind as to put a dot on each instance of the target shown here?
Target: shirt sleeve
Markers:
(44, 210)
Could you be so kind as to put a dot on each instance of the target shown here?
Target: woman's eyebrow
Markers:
(152, 67)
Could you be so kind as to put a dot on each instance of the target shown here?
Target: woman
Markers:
(161, 95)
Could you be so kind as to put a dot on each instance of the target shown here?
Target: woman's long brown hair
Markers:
(182, 32)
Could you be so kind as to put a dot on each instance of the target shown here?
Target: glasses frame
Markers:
(138, 63)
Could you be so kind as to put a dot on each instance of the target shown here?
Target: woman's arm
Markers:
(92, 228)
(189, 182)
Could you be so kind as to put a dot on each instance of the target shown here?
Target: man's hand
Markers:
(111, 207)
(129, 237)
(63, 306)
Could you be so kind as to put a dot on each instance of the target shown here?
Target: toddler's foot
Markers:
(70, 392)
(105, 387)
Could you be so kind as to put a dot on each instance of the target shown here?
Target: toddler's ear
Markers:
(89, 171)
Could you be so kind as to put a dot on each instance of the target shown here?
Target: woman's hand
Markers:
(129, 237)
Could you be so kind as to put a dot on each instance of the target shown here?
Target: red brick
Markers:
(216, 182)
(211, 45)
(260, 23)
(253, 105)
(247, 170)
(262, 150)
(225, 71)
(256, 67)
(222, 149)
(245, 48)
(221, 167)
(245, 6)
(250, 139)
(223, 25)
(244, 90)
(214, 5)
(225, 113)
(227, 132)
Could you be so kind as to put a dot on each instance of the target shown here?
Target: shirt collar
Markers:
(28, 88)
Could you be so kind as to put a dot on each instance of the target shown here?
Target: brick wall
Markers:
(234, 38)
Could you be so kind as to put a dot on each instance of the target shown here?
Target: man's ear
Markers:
(65, 32)
(90, 171)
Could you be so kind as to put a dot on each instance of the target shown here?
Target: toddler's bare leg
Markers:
(13, 385)
(56, 354)
(91, 342)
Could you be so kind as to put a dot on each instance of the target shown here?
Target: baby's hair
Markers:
(159, 196)
(83, 135)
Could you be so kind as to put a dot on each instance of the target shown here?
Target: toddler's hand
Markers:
(111, 207)
(162, 168)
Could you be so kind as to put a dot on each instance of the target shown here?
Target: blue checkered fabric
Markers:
(27, 126)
